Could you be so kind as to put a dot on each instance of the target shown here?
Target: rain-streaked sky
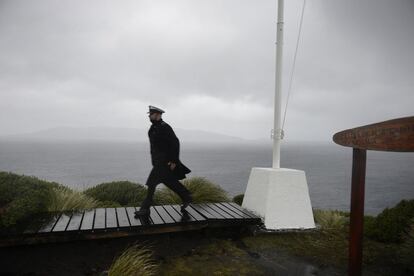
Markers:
(210, 64)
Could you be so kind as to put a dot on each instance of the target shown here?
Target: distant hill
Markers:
(121, 134)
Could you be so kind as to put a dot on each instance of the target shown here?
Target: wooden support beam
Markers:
(357, 211)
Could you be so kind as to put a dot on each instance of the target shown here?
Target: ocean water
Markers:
(390, 176)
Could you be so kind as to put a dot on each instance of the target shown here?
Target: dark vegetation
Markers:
(388, 237)
(122, 193)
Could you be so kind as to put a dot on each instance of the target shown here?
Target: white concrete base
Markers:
(281, 197)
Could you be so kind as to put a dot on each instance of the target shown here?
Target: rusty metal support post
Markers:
(359, 159)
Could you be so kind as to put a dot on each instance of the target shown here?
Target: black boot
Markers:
(186, 202)
(142, 212)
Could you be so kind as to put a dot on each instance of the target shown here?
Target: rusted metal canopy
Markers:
(391, 135)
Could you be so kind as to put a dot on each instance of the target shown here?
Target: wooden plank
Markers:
(190, 209)
(211, 211)
(239, 209)
(131, 216)
(229, 207)
(164, 215)
(62, 223)
(173, 213)
(177, 215)
(155, 218)
(48, 226)
(247, 212)
(219, 211)
(122, 217)
(87, 221)
(194, 216)
(99, 222)
(392, 135)
(75, 221)
(111, 220)
(202, 212)
(234, 214)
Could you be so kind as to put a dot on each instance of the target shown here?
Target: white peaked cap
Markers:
(155, 109)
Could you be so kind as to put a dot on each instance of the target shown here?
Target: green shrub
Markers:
(63, 199)
(124, 193)
(202, 190)
(329, 219)
(390, 225)
(238, 199)
(23, 196)
(135, 260)
(407, 249)
(369, 225)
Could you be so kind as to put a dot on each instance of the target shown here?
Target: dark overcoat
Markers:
(165, 147)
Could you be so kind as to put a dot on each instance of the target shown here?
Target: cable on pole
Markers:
(294, 64)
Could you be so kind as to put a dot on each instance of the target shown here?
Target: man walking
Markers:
(167, 167)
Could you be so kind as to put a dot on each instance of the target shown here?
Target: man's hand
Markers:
(172, 165)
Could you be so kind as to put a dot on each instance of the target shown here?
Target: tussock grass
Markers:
(330, 219)
(136, 260)
(63, 199)
(202, 191)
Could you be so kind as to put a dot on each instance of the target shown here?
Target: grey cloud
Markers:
(102, 62)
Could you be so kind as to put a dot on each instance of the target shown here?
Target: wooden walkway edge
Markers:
(120, 222)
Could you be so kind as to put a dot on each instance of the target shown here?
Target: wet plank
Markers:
(220, 211)
(122, 217)
(236, 206)
(234, 214)
(99, 222)
(164, 215)
(87, 221)
(48, 226)
(173, 213)
(131, 216)
(203, 212)
(75, 221)
(156, 219)
(236, 211)
(190, 209)
(62, 223)
(216, 214)
(111, 220)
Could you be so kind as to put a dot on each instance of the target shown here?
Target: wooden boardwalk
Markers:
(117, 222)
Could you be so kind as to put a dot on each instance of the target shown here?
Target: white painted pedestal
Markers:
(281, 197)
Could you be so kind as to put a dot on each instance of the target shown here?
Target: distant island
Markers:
(122, 134)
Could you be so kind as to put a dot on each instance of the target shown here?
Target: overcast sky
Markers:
(208, 63)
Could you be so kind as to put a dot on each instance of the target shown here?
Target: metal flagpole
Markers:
(277, 131)
(279, 195)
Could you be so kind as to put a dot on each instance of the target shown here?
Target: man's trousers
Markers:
(174, 185)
